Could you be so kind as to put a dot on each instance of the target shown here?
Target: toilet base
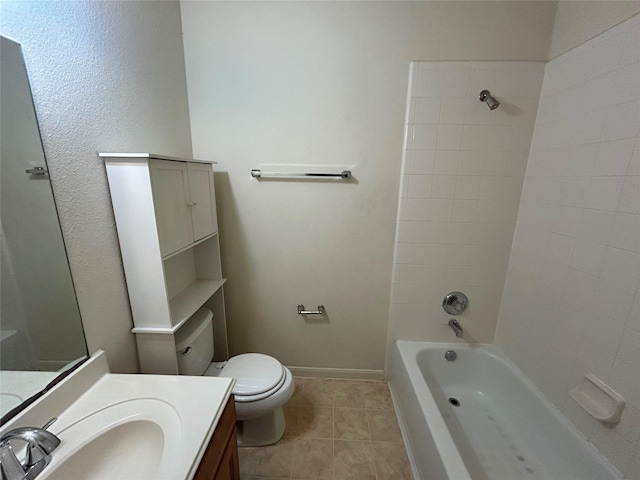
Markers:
(263, 430)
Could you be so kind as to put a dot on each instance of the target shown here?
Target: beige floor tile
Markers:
(353, 461)
(391, 461)
(331, 424)
(269, 461)
(313, 459)
(348, 394)
(377, 395)
(317, 392)
(291, 415)
(350, 424)
(384, 426)
(296, 398)
(315, 422)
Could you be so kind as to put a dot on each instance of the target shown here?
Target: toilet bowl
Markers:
(262, 384)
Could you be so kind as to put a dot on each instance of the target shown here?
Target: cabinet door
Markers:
(172, 204)
(202, 193)
(229, 466)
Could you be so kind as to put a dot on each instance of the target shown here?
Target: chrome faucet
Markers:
(40, 444)
(456, 327)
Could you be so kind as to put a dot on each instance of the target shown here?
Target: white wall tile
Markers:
(604, 193)
(595, 225)
(427, 110)
(456, 83)
(621, 267)
(614, 157)
(467, 187)
(411, 232)
(474, 137)
(419, 186)
(449, 137)
(630, 197)
(629, 348)
(465, 171)
(471, 162)
(424, 137)
(452, 111)
(625, 232)
(581, 198)
(588, 257)
(633, 319)
(422, 162)
(430, 80)
(447, 162)
(444, 186)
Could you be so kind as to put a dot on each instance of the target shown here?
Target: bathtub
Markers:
(479, 418)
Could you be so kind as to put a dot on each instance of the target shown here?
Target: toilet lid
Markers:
(255, 374)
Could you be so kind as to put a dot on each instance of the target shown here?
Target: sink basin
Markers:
(133, 439)
(126, 426)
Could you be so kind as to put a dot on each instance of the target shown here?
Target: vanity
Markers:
(136, 426)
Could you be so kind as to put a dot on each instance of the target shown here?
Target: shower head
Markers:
(485, 96)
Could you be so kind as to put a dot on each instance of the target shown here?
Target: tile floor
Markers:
(336, 430)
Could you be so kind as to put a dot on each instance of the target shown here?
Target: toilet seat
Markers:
(257, 376)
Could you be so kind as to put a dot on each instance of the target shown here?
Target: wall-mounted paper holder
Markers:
(302, 311)
(598, 399)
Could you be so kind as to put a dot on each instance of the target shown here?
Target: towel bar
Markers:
(257, 173)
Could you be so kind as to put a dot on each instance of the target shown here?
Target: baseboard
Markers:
(347, 373)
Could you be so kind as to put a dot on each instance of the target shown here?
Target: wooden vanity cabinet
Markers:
(220, 460)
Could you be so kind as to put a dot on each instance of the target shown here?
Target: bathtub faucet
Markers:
(456, 327)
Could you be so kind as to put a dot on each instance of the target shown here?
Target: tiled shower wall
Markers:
(571, 303)
(462, 175)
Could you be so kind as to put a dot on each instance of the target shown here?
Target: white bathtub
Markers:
(503, 428)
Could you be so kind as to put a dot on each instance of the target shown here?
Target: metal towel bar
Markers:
(257, 173)
(302, 311)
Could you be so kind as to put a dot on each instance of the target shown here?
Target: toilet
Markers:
(263, 385)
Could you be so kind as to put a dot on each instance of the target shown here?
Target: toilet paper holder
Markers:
(302, 311)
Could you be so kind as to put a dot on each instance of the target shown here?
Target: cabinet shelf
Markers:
(188, 247)
(185, 303)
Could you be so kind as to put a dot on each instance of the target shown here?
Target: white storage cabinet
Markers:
(165, 212)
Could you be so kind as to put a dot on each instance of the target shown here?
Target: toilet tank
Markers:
(194, 343)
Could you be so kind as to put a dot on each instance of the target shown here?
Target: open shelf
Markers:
(185, 303)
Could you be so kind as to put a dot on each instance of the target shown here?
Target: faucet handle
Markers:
(10, 466)
(47, 441)
(40, 444)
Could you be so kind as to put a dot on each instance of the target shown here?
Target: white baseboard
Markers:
(348, 373)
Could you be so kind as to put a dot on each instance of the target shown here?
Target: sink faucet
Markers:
(40, 444)
(456, 327)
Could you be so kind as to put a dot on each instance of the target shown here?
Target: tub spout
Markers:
(456, 327)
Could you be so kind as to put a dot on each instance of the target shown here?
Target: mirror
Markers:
(41, 332)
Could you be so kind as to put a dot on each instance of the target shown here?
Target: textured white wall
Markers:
(106, 76)
(322, 83)
(463, 169)
(571, 303)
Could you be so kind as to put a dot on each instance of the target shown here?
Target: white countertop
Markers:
(18, 386)
(189, 408)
